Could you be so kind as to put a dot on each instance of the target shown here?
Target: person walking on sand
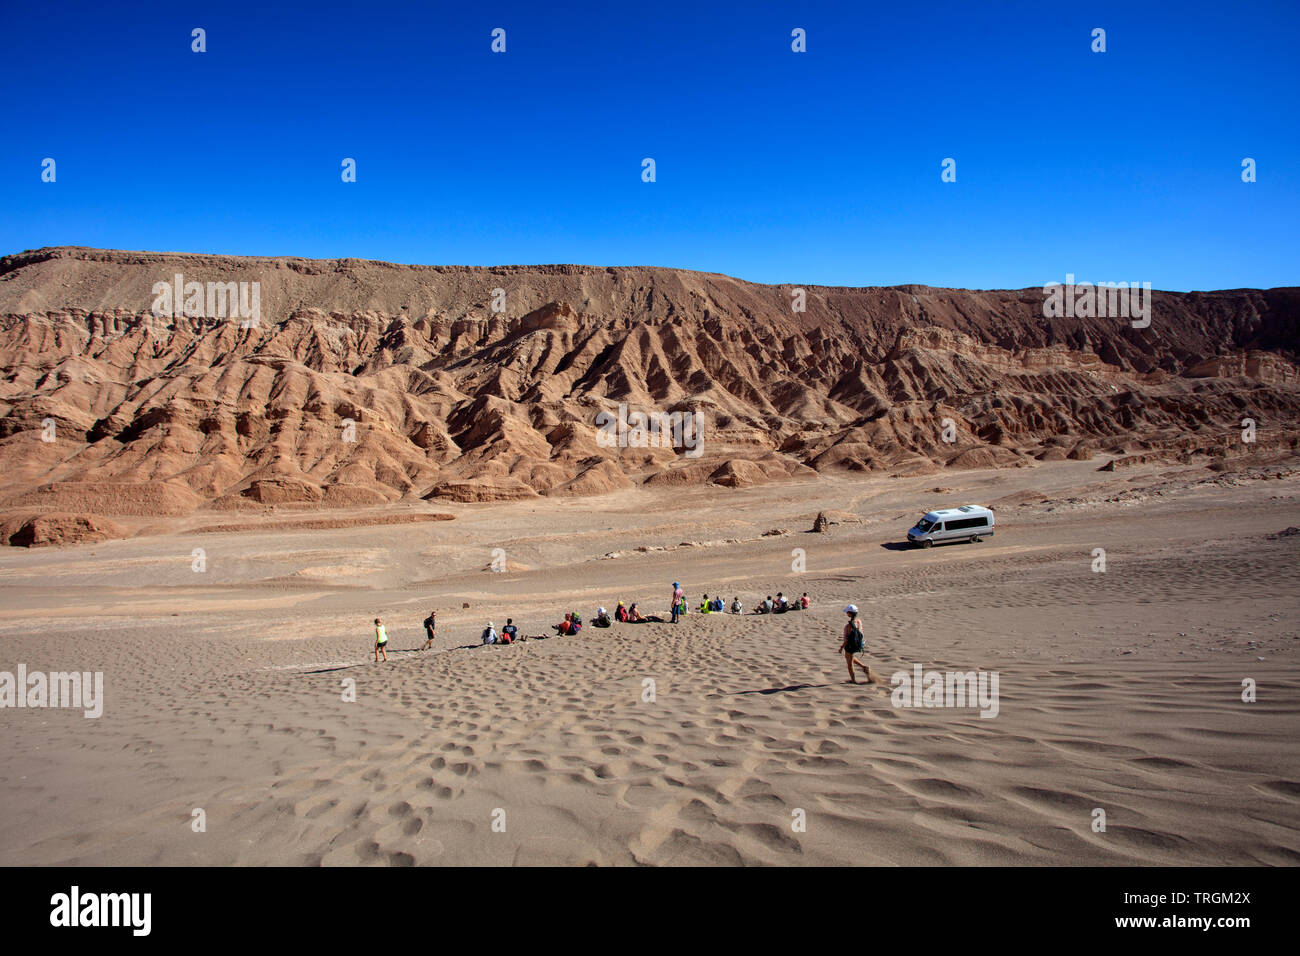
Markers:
(679, 597)
(853, 644)
(381, 638)
(430, 625)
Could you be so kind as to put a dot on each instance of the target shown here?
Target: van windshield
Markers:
(924, 525)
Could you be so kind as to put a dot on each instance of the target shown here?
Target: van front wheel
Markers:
(926, 543)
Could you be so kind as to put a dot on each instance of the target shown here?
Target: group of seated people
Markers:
(509, 634)
(629, 615)
(781, 604)
(572, 623)
(717, 606)
(778, 606)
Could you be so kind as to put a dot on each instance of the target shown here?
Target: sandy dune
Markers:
(1118, 690)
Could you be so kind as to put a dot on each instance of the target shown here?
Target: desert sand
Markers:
(1119, 690)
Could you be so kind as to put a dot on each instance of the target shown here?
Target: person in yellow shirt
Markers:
(381, 638)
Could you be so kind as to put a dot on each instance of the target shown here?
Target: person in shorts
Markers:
(381, 638)
(854, 644)
(430, 625)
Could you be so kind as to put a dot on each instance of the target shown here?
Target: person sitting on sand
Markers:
(489, 634)
(509, 633)
(706, 605)
(782, 605)
(804, 602)
(602, 618)
(621, 612)
(430, 624)
(764, 607)
(853, 643)
(381, 638)
(718, 604)
(565, 626)
(634, 616)
(736, 607)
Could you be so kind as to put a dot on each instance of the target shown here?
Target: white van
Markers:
(967, 523)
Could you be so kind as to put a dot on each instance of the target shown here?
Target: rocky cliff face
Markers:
(367, 382)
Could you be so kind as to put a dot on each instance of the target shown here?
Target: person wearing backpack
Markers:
(854, 644)
(509, 633)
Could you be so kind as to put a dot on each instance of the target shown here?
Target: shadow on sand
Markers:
(779, 690)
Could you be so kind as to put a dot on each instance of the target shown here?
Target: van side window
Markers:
(965, 523)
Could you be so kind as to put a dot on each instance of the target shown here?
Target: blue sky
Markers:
(819, 168)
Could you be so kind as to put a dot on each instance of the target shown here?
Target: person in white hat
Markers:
(853, 643)
(489, 634)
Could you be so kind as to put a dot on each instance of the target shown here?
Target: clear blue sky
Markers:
(820, 168)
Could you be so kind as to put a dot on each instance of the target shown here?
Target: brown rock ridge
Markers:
(365, 383)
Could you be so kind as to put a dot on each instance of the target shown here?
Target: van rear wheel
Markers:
(974, 539)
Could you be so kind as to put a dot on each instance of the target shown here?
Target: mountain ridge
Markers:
(449, 399)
